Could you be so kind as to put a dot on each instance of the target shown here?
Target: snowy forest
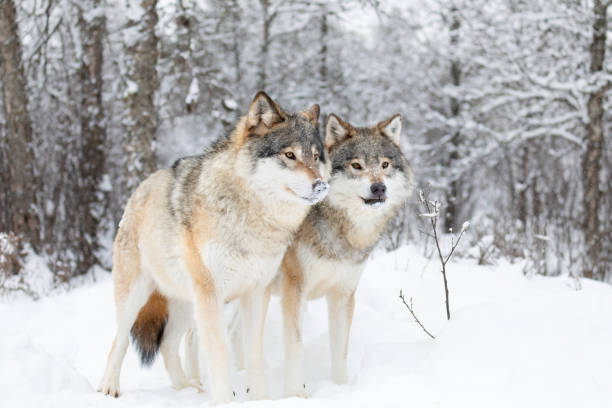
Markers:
(506, 110)
(506, 105)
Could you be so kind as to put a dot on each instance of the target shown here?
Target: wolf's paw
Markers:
(109, 387)
(258, 393)
(296, 391)
(197, 385)
(339, 377)
(223, 400)
(223, 397)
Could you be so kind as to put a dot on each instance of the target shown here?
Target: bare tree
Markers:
(91, 23)
(142, 84)
(18, 199)
(591, 164)
(432, 212)
(450, 213)
(267, 19)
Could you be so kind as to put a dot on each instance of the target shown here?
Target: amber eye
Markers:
(385, 164)
(316, 157)
(356, 166)
(290, 155)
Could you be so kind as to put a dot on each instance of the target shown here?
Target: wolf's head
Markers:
(369, 173)
(282, 153)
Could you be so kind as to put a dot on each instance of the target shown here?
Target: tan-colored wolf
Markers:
(211, 229)
(370, 181)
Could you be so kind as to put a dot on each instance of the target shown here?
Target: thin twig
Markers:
(411, 310)
(434, 224)
(433, 215)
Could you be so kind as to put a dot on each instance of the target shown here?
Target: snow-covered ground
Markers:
(512, 342)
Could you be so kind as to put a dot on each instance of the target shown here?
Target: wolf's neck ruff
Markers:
(343, 233)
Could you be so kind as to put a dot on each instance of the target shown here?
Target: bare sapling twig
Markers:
(432, 211)
(411, 310)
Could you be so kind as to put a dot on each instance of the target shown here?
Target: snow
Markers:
(230, 104)
(194, 92)
(131, 88)
(512, 341)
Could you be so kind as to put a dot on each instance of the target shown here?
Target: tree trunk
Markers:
(267, 21)
(452, 202)
(591, 164)
(323, 52)
(235, 14)
(18, 198)
(524, 182)
(93, 134)
(142, 83)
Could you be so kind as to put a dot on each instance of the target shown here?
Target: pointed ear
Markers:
(264, 110)
(312, 114)
(392, 128)
(336, 131)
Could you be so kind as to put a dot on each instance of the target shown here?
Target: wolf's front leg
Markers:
(210, 334)
(340, 307)
(293, 304)
(254, 306)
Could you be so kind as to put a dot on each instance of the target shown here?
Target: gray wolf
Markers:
(211, 229)
(369, 182)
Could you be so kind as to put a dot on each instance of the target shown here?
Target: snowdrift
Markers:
(512, 341)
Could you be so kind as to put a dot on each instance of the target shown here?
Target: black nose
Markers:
(378, 189)
(319, 186)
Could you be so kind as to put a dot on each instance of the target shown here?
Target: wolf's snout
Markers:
(319, 187)
(378, 189)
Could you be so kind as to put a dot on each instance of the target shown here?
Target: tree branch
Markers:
(411, 310)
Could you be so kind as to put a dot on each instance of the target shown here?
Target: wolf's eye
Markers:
(290, 155)
(316, 157)
(385, 164)
(356, 166)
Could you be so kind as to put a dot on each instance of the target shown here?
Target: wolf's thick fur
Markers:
(214, 228)
(332, 245)
(370, 180)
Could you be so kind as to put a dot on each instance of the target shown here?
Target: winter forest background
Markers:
(506, 107)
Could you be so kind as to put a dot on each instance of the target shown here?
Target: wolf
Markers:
(370, 181)
(211, 229)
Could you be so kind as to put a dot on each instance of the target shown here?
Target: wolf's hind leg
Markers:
(129, 301)
(179, 321)
(192, 359)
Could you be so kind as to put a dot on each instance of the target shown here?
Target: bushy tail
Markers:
(148, 329)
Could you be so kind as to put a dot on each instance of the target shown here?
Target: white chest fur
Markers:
(322, 274)
(235, 271)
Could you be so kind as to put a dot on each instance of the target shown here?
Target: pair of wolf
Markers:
(271, 208)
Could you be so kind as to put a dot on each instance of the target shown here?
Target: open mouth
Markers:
(372, 201)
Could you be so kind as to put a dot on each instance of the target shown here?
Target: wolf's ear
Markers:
(392, 128)
(312, 114)
(263, 110)
(336, 130)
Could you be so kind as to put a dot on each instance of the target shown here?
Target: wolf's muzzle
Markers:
(378, 189)
(320, 187)
(319, 191)
(379, 195)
